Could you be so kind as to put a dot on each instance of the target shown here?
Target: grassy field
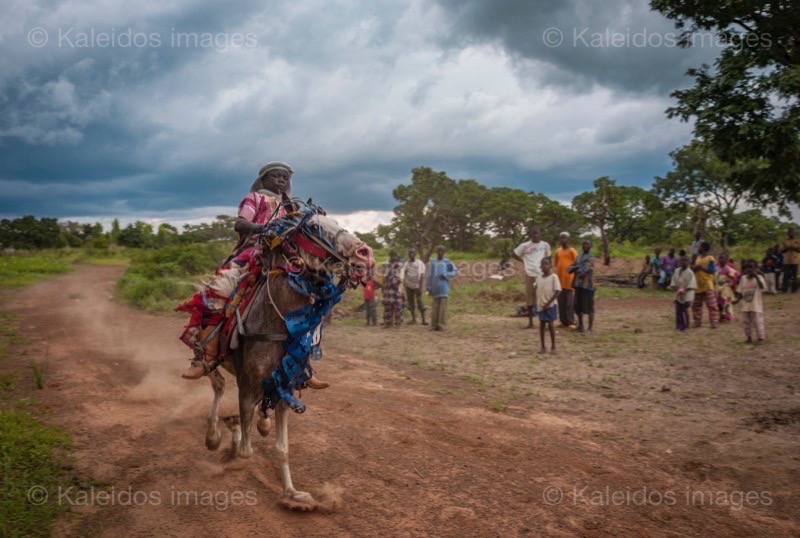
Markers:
(32, 452)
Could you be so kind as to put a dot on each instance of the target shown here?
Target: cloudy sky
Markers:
(164, 111)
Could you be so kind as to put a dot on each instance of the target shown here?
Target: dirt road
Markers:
(402, 459)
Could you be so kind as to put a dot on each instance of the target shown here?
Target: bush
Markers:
(159, 279)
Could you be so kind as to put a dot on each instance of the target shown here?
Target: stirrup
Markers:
(194, 371)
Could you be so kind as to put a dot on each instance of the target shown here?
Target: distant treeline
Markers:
(695, 197)
(28, 232)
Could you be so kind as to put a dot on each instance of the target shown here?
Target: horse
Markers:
(318, 251)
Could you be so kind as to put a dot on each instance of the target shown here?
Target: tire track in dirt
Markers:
(404, 460)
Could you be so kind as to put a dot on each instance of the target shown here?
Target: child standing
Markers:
(726, 279)
(750, 286)
(548, 288)
(685, 284)
(370, 303)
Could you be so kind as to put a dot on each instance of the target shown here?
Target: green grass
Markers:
(8, 333)
(30, 457)
(20, 269)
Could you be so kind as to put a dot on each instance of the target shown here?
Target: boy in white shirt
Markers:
(548, 287)
(531, 253)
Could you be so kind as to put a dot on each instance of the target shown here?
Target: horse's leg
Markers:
(213, 435)
(292, 499)
(247, 406)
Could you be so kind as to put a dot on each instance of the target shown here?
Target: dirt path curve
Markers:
(404, 460)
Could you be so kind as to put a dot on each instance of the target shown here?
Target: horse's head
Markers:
(324, 245)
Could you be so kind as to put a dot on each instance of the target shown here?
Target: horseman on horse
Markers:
(229, 291)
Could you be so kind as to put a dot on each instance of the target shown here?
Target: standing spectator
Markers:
(768, 267)
(548, 288)
(440, 271)
(370, 303)
(791, 256)
(564, 257)
(655, 263)
(584, 285)
(413, 277)
(393, 292)
(750, 288)
(531, 253)
(694, 248)
(704, 269)
(726, 279)
(647, 270)
(685, 284)
(669, 262)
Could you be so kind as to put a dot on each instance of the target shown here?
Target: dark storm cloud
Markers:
(353, 93)
(620, 44)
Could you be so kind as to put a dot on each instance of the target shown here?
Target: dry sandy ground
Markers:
(401, 457)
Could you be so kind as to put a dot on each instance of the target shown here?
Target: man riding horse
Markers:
(208, 306)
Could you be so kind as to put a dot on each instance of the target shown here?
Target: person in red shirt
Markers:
(370, 303)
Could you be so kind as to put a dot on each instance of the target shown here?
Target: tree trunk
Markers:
(604, 242)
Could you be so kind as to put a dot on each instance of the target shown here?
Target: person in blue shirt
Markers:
(440, 271)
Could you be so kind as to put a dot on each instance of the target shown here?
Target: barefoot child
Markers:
(685, 284)
(548, 287)
(750, 292)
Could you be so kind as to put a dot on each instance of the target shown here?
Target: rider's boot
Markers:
(318, 384)
(202, 366)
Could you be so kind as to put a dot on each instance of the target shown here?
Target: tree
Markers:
(167, 234)
(512, 212)
(463, 217)
(748, 106)
(702, 183)
(115, 230)
(598, 206)
(136, 235)
(28, 232)
(419, 216)
(640, 214)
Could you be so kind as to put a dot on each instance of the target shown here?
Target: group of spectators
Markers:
(561, 295)
(560, 284)
(778, 267)
(403, 282)
(716, 283)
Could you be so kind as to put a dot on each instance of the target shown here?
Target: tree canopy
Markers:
(747, 107)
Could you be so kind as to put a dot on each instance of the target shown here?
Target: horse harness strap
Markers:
(259, 337)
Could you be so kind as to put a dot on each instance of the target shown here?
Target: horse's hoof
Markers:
(263, 426)
(244, 453)
(213, 442)
(300, 501)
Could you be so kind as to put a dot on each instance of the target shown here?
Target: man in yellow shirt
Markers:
(791, 256)
(565, 256)
(704, 270)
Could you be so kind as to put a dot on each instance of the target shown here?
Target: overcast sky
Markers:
(164, 111)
